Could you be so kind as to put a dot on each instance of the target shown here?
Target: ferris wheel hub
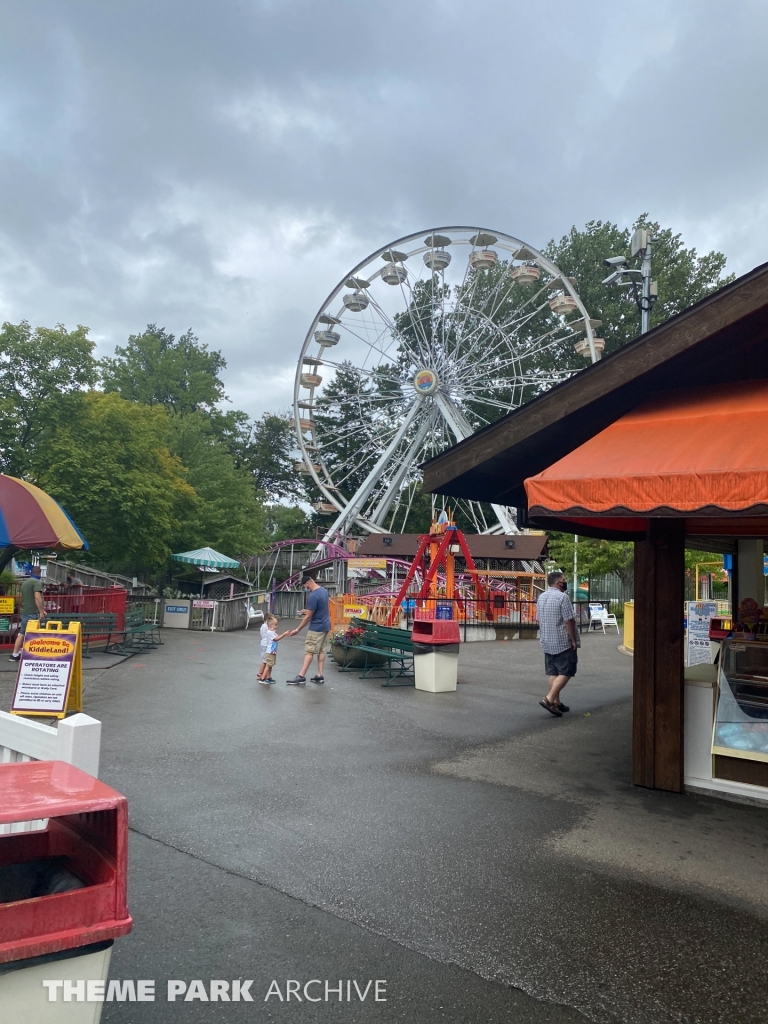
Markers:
(426, 381)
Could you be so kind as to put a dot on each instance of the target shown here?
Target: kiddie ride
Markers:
(435, 635)
(436, 556)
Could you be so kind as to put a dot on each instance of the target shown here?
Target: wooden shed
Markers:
(664, 443)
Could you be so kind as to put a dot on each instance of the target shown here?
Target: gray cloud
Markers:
(221, 166)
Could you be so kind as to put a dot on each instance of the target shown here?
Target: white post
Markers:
(78, 742)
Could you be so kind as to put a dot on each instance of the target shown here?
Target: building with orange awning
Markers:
(664, 442)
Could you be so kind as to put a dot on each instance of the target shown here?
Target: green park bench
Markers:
(392, 645)
(144, 635)
(95, 627)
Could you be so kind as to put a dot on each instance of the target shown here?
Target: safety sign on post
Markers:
(50, 679)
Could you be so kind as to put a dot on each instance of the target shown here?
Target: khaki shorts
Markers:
(315, 642)
(270, 659)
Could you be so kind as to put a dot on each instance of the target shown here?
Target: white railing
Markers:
(76, 740)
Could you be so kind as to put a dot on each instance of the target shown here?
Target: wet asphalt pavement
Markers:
(489, 862)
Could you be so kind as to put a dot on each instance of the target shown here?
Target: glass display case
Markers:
(741, 720)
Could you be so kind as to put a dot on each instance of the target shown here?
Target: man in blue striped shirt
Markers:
(558, 639)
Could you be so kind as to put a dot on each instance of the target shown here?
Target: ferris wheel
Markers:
(424, 342)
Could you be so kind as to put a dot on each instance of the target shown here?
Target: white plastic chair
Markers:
(610, 620)
(601, 617)
(251, 612)
(596, 614)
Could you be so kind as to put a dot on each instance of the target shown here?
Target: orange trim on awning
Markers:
(699, 452)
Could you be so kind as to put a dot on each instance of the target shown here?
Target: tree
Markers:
(345, 429)
(107, 461)
(684, 277)
(38, 369)
(595, 558)
(285, 522)
(225, 513)
(156, 369)
(264, 448)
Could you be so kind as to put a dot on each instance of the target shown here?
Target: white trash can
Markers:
(436, 667)
(436, 654)
(23, 997)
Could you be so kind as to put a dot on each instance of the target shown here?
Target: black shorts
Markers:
(562, 664)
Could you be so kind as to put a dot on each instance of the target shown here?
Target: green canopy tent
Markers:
(206, 558)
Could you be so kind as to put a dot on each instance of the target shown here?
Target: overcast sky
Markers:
(221, 165)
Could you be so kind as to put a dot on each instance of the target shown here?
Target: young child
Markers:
(269, 643)
(264, 630)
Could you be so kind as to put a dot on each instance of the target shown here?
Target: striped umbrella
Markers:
(31, 519)
(206, 557)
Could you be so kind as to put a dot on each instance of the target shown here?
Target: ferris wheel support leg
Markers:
(385, 503)
(356, 502)
(460, 428)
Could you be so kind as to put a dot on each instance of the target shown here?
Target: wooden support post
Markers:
(657, 724)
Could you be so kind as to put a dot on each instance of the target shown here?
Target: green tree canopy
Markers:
(684, 276)
(39, 368)
(225, 512)
(155, 368)
(346, 429)
(594, 558)
(265, 449)
(107, 461)
(287, 521)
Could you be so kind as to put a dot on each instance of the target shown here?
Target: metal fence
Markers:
(498, 617)
(66, 601)
(609, 588)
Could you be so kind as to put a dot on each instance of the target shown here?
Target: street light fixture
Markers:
(628, 277)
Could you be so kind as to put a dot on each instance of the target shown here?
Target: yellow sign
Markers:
(352, 610)
(50, 677)
(49, 647)
(367, 563)
(7, 605)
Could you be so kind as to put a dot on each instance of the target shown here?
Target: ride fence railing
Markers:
(222, 616)
(69, 601)
(498, 615)
(151, 607)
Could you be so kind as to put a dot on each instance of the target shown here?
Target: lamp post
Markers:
(644, 290)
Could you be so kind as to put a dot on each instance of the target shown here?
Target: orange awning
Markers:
(701, 452)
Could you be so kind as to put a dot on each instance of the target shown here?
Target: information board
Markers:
(699, 613)
(366, 563)
(49, 680)
(7, 605)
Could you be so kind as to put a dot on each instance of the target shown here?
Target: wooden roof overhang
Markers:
(528, 547)
(723, 338)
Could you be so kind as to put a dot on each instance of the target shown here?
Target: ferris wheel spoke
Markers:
(396, 332)
(406, 464)
(484, 400)
(384, 332)
(499, 330)
(356, 502)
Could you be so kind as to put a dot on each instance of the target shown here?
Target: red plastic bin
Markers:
(436, 631)
(87, 825)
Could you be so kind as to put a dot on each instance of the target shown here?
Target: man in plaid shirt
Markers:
(558, 639)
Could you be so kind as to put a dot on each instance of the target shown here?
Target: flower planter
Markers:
(352, 657)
